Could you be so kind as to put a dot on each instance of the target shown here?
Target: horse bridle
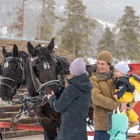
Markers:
(39, 88)
(39, 100)
(17, 83)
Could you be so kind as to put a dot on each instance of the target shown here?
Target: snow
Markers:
(105, 24)
(89, 129)
(134, 130)
(91, 61)
(62, 9)
(90, 138)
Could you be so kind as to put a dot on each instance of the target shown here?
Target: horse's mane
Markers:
(21, 54)
(44, 54)
(39, 45)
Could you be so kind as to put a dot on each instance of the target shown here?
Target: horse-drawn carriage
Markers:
(135, 69)
(40, 72)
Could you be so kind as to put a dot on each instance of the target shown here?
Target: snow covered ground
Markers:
(90, 129)
(134, 130)
(40, 137)
(90, 138)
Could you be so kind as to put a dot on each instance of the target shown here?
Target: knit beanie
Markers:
(77, 67)
(105, 56)
(122, 67)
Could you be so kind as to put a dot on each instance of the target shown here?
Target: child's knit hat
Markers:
(122, 67)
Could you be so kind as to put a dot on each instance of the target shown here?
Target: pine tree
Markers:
(77, 28)
(107, 42)
(128, 43)
(46, 20)
(17, 27)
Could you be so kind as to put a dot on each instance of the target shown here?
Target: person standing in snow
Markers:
(73, 103)
(103, 102)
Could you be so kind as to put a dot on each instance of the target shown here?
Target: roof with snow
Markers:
(22, 45)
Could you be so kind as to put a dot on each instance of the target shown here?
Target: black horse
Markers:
(18, 68)
(12, 72)
(47, 74)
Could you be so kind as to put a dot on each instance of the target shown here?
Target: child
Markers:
(124, 90)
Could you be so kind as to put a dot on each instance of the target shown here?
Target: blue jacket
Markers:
(73, 105)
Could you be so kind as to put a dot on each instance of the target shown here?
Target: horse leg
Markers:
(49, 120)
(90, 116)
(50, 135)
(1, 137)
(50, 130)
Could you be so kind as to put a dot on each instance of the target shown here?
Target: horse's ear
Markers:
(4, 52)
(51, 46)
(15, 51)
(31, 49)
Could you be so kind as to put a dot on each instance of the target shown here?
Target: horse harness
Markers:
(41, 99)
(18, 82)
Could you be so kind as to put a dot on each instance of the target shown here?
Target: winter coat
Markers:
(124, 91)
(73, 104)
(123, 86)
(102, 99)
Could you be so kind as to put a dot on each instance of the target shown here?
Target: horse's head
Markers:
(12, 73)
(91, 69)
(45, 67)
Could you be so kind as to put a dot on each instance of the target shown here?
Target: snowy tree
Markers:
(107, 42)
(77, 28)
(46, 20)
(128, 45)
(17, 26)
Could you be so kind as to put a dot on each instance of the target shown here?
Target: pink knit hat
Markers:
(77, 67)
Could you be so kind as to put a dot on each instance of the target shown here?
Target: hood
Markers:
(125, 80)
(82, 82)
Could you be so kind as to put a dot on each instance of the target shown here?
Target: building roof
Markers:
(22, 45)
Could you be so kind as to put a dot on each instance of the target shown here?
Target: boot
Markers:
(132, 124)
